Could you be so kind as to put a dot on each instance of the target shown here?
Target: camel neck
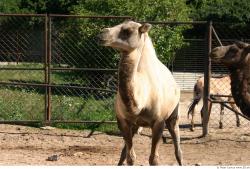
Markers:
(239, 88)
(127, 70)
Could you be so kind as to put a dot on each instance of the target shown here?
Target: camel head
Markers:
(125, 37)
(234, 55)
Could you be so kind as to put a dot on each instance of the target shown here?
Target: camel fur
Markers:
(218, 86)
(236, 58)
(147, 95)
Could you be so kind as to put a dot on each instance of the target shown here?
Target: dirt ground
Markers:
(20, 145)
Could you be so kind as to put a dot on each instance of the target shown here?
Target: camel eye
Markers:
(126, 32)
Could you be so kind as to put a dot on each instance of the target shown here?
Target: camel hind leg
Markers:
(192, 120)
(235, 108)
(172, 124)
(221, 116)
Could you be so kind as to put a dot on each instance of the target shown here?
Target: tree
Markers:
(47, 6)
(167, 39)
(9, 6)
(220, 10)
(231, 18)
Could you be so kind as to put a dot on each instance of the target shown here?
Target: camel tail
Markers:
(196, 100)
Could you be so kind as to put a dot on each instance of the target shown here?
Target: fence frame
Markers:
(47, 69)
(213, 98)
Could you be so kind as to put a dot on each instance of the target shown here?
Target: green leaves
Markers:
(166, 39)
(221, 10)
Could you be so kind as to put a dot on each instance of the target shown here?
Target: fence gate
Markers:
(53, 71)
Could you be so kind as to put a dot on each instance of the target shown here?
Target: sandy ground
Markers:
(20, 145)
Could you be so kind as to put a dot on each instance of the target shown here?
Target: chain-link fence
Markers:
(228, 34)
(22, 51)
(53, 70)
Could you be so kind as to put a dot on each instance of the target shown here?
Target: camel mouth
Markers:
(102, 41)
(216, 60)
(214, 57)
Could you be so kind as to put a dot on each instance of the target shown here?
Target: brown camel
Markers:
(236, 58)
(219, 86)
(147, 95)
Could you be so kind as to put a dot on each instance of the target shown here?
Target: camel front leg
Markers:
(237, 119)
(157, 131)
(128, 132)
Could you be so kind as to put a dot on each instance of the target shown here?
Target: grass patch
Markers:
(28, 103)
(21, 104)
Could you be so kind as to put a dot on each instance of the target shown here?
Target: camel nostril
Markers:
(99, 39)
(103, 33)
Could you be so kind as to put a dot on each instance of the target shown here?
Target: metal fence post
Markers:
(45, 66)
(207, 74)
(47, 115)
(49, 70)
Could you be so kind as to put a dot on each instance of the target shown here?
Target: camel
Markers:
(236, 58)
(147, 94)
(218, 86)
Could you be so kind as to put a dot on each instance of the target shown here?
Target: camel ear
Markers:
(145, 27)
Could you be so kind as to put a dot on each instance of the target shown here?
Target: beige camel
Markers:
(147, 94)
(236, 58)
(218, 86)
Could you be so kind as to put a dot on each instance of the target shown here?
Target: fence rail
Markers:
(52, 68)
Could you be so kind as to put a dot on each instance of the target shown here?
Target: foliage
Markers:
(166, 39)
(10, 6)
(37, 6)
(221, 10)
(231, 18)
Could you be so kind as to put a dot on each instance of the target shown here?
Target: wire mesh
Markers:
(21, 61)
(86, 70)
(228, 34)
(21, 103)
(79, 77)
(55, 63)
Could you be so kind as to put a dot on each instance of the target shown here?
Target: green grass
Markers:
(28, 103)
(21, 104)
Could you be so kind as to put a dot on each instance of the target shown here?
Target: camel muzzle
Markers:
(103, 38)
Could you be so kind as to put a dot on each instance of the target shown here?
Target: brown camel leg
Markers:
(157, 131)
(210, 104)
(237, 116)
(209, 111)
(128, 132)
(221, 116)
(122, 156)
(192, 121)
(173, 126)
(237, 120)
